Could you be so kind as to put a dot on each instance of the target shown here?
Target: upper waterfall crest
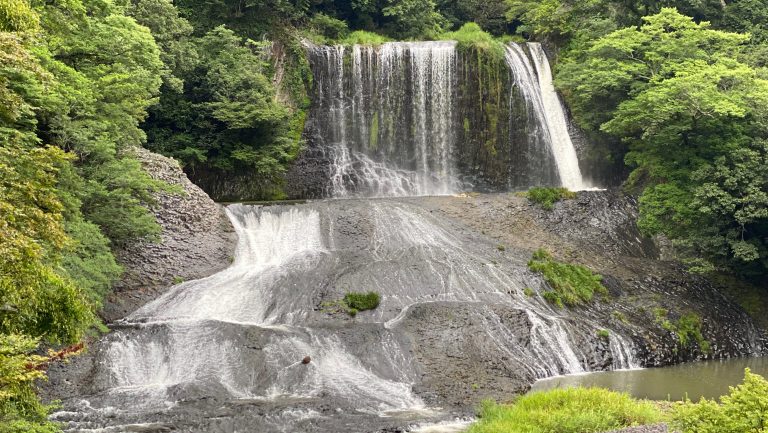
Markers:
(422, 118)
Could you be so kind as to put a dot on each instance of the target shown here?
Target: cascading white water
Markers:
(397, 120)
(565, 153)
(544, 105)
(242, 334)
(391, 126)
(256, 291)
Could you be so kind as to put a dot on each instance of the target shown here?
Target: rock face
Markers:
(197, 240)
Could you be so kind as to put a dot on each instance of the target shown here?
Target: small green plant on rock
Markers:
(529, 292)
(547, 197)
(603, 333)
(362, 301)
(572, 284)
(618, 315)
(687, 328)
(353, 303)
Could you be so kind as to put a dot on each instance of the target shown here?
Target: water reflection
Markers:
(708, 379)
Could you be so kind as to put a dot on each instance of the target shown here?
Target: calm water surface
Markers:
(708, 379)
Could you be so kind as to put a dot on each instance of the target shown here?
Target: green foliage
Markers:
(528, 292)
(472, 38)
(20, 408)
(603, 333)
(687, 328)
(569, 410)
(89, 261)
(353, 303)
(17, 16)
(572, 284)
(363, 37)
(36, 299)
(621, 317)
(76, 79)
(410, 19)
(362, 301)
(743, 410)
(489, 14)
(330, 28)
(547, 197)
(228, 119)
(693, 115)
(172, 33)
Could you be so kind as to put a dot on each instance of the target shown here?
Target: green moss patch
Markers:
(571, 284)
(353, 303)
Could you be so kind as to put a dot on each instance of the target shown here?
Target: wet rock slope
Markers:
(461, 318)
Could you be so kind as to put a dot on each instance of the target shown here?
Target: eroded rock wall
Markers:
(197, 240)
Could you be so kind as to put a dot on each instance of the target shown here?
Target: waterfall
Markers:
(544, 105)
(554, 113)
(239, 337)
(388, 125)
(394, 120)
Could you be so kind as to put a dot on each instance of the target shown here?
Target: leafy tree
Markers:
(172, 33)
(36, 299)
(228, 118)
(107, 72)
(675, 91)
(412, 18)
(488, 14)
(17, 16)
(20, 409)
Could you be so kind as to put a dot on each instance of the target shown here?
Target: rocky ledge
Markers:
(197, 240)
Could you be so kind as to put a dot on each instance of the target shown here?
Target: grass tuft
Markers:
(572, 284)
(547, 197)
(362, 37)
(352, 303)
(362, 301)
(569, 410)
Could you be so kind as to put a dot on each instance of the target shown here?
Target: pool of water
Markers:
(708, 379)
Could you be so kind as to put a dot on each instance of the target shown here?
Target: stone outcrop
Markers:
(197, 240)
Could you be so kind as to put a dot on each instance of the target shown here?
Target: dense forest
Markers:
(677, 89)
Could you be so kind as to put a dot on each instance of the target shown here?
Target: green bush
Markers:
(571, 284)
(329, 27)
(362, 37)
(569, 410)
(471, 34)
(603, 333)
(547, 197)
(687, 328)
(362, 301)
(744, 410)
